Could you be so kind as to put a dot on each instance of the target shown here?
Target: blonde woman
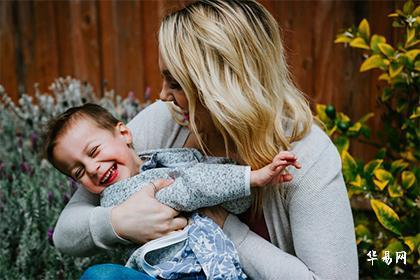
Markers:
(229, 92)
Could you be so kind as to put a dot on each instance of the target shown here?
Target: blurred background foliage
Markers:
(32, 192)
(385, 192)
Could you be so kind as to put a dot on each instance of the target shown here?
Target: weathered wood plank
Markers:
(8, 49)
(85, 42)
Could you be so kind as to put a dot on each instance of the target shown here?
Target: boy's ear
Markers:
(125, 132)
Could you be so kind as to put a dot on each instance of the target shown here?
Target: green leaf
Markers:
(416, 114)
(366, 117)
(411, 242)
(343, 117)
(343, 39)
(355, 128)
(384, 77)
(380, 184)
(412, 43)
(411, 55)
(386, 49)
(407, 179)
(372, 165)
(364, 29)
(375, 40)
(320, 111)
(362, 234)
(386, 216)
(416, 12)
(408, 7)
(393, 246)
(398, 165)
(349, 166)
(393, 72)
(359, 42)
(411, 36)
(358, 182)
(395, 190)
(342, 143)
(417, 65)
(386, 94)
(382, 175)
(375, 61)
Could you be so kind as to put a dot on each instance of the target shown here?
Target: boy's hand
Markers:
(274, 172)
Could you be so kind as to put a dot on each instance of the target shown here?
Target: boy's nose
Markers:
(92, 168)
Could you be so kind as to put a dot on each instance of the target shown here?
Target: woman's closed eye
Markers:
(172, 83)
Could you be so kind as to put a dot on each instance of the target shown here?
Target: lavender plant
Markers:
(32, 192)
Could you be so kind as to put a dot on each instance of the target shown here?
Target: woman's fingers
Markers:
(160, 184)
(142, 218)
(179, 223)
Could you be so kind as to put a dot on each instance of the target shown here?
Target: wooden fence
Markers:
(114, 44)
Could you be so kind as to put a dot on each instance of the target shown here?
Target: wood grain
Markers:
(114, 44)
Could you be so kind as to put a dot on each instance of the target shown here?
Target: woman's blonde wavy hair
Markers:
(228, 55)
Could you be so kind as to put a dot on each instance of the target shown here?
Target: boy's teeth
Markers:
(108, 174)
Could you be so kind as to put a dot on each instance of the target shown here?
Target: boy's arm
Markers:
(205, 185)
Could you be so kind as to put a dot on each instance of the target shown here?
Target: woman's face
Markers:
(171, 90)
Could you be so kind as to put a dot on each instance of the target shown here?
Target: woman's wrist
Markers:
(102, 230)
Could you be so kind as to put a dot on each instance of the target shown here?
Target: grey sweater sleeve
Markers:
(84, 228)
(321, 225)
(204, 185)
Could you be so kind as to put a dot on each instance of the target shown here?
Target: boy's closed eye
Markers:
(78, 174)
(94, 151)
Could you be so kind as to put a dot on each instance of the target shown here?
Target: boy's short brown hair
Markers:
(61, 123)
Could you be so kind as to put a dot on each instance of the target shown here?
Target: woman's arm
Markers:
(322, 230)
(83, 227)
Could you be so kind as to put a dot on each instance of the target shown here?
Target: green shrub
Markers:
(32, 192)
(388, 182)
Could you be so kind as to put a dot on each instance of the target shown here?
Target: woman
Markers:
(224, 70)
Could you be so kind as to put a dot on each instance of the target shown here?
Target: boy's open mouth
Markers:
(110, 175)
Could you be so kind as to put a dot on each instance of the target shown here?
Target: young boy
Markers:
(88, 144)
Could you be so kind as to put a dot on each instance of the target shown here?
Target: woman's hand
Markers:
(216, 213)
(142, 218)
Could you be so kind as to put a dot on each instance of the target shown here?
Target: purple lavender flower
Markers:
(131, 96)
(26, 168)
(34, 139)
(2, 169)
(50, 233)
(50, 196)
(20, 142)
(73, 185)
(66, 198)
(147, 93)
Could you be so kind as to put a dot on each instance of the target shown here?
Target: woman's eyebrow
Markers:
(166, 73)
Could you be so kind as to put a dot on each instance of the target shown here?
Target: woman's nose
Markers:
(165, 93)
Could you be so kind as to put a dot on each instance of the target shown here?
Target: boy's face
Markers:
(94, 156)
